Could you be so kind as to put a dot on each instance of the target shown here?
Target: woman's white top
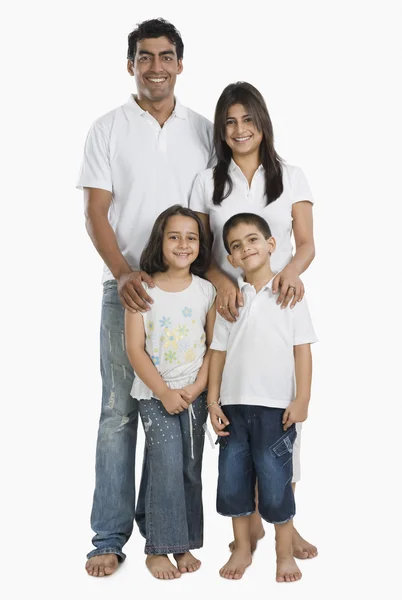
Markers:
(245, 198)
(175, 334)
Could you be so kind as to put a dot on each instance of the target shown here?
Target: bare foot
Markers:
(186, 562)
(237, 564)
(160, 567)
(255, 537)
(287, 569)
(101, 565)
(301, 548)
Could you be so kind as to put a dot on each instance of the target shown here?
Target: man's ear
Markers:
(231, 260)
(130, 67)
(180, 66)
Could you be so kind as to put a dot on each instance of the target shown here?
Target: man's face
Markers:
(155, 68)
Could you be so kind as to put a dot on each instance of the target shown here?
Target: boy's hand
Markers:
(173, 402)
(296, 412)
(190, 393)
(218, 420)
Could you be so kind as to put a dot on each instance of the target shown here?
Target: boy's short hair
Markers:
(247, 219)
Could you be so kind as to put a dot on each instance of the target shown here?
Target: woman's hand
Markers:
(228, 298)
(218, 419)
(290, 286)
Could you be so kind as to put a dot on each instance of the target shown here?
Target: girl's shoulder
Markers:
(206, 288)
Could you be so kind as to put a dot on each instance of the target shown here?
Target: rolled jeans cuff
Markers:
(99, 551)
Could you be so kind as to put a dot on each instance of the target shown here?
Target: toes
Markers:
(109, 570)
(101, 571)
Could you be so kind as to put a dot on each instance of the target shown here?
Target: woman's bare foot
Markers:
(301, 548)
(160, 567)
(186, 562)
(287, 569)
(237, 564)
(101, 565)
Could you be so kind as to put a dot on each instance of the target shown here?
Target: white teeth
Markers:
(157, 80)
(243, 139)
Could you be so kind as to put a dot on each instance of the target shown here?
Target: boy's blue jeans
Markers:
(113, 508)
(257, 448)
(171, 517)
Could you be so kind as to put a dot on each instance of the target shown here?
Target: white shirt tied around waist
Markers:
(175, 334)
(146, 167)
(259, 368)
(245, 198)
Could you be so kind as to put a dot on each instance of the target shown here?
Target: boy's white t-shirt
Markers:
(175, 334)
(259, 368)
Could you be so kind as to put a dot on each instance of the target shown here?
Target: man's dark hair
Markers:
(151, 260)
(248, 219)
(154, 28)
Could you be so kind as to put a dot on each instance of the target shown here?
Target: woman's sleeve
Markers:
(300, 189)
(199, 200)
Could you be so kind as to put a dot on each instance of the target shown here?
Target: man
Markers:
(139, 159)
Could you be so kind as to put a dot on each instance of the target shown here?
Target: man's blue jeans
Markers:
(114, 498)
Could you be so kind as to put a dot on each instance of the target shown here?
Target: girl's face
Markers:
(181, 242)
(242, 136)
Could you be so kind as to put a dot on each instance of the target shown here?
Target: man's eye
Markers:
(167, 58)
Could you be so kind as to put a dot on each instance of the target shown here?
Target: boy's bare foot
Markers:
(287, 569)
(186, 562)
(237, 564)
(160, 567)
(301, 548)
(101, 565)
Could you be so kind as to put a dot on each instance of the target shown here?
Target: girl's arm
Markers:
(145, 368)
(217, 416)
(302, 213)
(297, 410)
(229, 297)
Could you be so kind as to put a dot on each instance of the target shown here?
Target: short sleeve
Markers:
(95, 168)
(199, 201)
(303, 330)
(211, 295)
(300, 189)
(222, 330)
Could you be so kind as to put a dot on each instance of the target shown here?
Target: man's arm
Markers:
(297, 410)
(131, 292)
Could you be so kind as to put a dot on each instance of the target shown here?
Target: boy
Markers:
(254, 364)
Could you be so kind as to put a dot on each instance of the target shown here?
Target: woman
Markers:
(250, 176)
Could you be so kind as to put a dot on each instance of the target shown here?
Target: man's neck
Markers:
(260, 277)
(248, 165)
(160, 110)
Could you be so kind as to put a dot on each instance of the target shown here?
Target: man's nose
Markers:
(157, 64)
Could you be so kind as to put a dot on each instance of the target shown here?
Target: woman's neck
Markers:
(248, 164)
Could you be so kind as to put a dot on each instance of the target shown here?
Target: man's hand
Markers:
(296, 412)
(218, 420)
(290, 286)
(228, 298)
(173, 401)
(132, 293)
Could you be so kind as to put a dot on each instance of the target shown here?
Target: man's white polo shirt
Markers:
(259, 368)
(146, 167)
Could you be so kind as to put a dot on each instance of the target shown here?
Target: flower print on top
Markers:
(187, 312)
(165, 322)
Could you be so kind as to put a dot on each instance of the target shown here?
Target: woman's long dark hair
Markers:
(247, 95)
(152, 256)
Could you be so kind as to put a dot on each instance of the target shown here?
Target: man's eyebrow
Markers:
(152, 54)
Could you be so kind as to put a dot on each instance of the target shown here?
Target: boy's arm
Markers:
(297, 410)
(218, 418)
(143, 365)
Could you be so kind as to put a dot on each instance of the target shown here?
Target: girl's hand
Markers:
(218, 419)
(290, 285)
(228, 298)
(296, 412)
(173, 402)
(190, 392)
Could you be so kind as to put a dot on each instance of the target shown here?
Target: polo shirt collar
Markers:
(241, 283)
(233, 167)
(179, 110)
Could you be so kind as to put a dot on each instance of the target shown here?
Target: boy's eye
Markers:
(253, 239)
(235, 246)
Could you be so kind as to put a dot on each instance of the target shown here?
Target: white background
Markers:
(329, 73)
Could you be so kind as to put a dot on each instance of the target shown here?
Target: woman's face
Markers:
(242, 136)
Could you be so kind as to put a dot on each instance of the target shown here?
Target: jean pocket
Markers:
(284, 444)
(222, 441)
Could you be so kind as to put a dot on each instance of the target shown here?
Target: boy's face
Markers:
(155, 68)
(249, 249)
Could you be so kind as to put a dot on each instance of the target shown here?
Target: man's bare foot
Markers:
(186, 562)
(255, 537)
(160, 567)
(301, 548)
(287, 569)
(101, 565)
(237, 564)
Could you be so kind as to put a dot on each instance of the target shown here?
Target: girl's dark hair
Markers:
(248, 219)
(152, 256)
(247, 95)
(154, 28)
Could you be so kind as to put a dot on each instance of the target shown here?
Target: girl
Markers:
(250, 177)
(168, 348)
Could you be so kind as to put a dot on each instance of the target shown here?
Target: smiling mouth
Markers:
(241, 140)
(182, 254)
(249, 256)
(157, 80)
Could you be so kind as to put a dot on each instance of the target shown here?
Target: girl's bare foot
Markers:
(301, 548)
(186, 562)
(237, 564)
(287, 569)
(160, 567)
(101, 565)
